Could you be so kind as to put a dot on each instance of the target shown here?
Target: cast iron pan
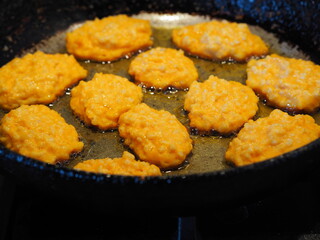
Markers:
(202, 183)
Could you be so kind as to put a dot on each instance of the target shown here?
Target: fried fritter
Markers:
(271, 136)
(219, 40)
(155, 136)
(126, 165)
(286, 83)
(220, 105)
(109, 38)
(102, 100)
(38, 132)
(163, 68)
(37, 78)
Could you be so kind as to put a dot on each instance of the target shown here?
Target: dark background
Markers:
(24, 23)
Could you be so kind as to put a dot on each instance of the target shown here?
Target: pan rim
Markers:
(64, 172)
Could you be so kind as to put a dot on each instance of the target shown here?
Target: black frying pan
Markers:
(26, 23)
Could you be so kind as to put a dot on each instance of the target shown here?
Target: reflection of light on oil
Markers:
(169, 18)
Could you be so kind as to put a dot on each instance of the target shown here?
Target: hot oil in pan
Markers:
(208, 152)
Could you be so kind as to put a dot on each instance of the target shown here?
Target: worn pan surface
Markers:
(205, 180)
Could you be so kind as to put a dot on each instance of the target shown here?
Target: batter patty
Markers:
(156, 136)
(38, 132)
(126, 165)
(271, 136)
(286, 83)
(109, 38)
(219, 40)
(220, 105)
(163, 68)
(37, 78)
(101, 101)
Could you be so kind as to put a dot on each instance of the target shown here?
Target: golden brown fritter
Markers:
(220, 105)
(102, 100)
(38, 132)
(126, 165)
(271, 136)
(287, 83)
(109, 38)
(155, 136)
(37, 78)
(219, 40)
(163, 68)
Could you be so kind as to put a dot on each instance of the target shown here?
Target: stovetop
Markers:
(291, 214)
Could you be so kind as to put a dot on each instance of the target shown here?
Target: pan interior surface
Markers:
(208, 152)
